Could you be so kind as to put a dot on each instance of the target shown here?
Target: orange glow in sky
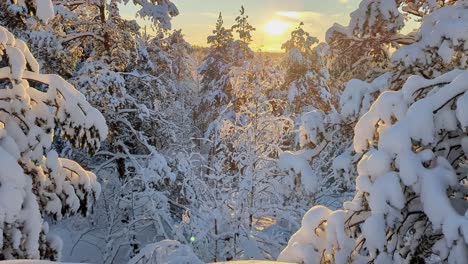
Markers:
(273, 19)
(276, 27)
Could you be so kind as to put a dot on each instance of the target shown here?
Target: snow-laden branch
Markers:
(71, 37)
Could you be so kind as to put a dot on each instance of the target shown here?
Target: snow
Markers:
(461, 112)
(387, 10)
(388, 106)
(45, 10)
(29, 261)
(166, 252)
(18, 204)
(322, 229)
(386, 194)
(13, 181)
(445, 52)
(298, 162)
(252, 262)
(158, 14)
(312, 127)
(341, 165)
(357, 96)
(374, 163)
(23, 47)
(444, 31)
(374, 233)
(17, 62)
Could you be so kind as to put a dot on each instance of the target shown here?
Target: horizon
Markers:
(273, 19)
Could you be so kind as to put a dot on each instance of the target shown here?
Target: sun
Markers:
(275, 27)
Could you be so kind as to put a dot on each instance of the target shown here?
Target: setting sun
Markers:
(276, 27)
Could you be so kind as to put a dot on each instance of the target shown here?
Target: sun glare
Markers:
(276, 27)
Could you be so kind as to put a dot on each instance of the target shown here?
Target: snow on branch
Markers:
(44, 9)
(34, 181)
(410, 192)
(441, 42)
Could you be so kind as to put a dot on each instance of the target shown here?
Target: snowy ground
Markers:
(49, 262)
(253, 262)
(29, 262)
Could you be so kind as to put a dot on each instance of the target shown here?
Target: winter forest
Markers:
(121, 142)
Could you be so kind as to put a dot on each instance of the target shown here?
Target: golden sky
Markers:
(273, 19)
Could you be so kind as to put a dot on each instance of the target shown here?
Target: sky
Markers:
(273, 19)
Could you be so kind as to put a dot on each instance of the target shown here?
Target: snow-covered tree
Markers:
(179, 52)
(214, 73)
(240, 47)
(227, 212)
(362, 48)
(433, 52)
(159, 12)
(215, 66)
(225, 53)
(374, 113)
(320, 134)
(410, 202)
(35, 183)
(108, 74)
(33, 25)
(306, 74)
(136, 82)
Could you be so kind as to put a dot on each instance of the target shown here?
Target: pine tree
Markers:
(214, 73)
(307, 78)
(225, 52)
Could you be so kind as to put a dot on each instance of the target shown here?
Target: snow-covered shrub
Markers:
(410, 204)
(34, 181)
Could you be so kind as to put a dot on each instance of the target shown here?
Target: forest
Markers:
(120, 144)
